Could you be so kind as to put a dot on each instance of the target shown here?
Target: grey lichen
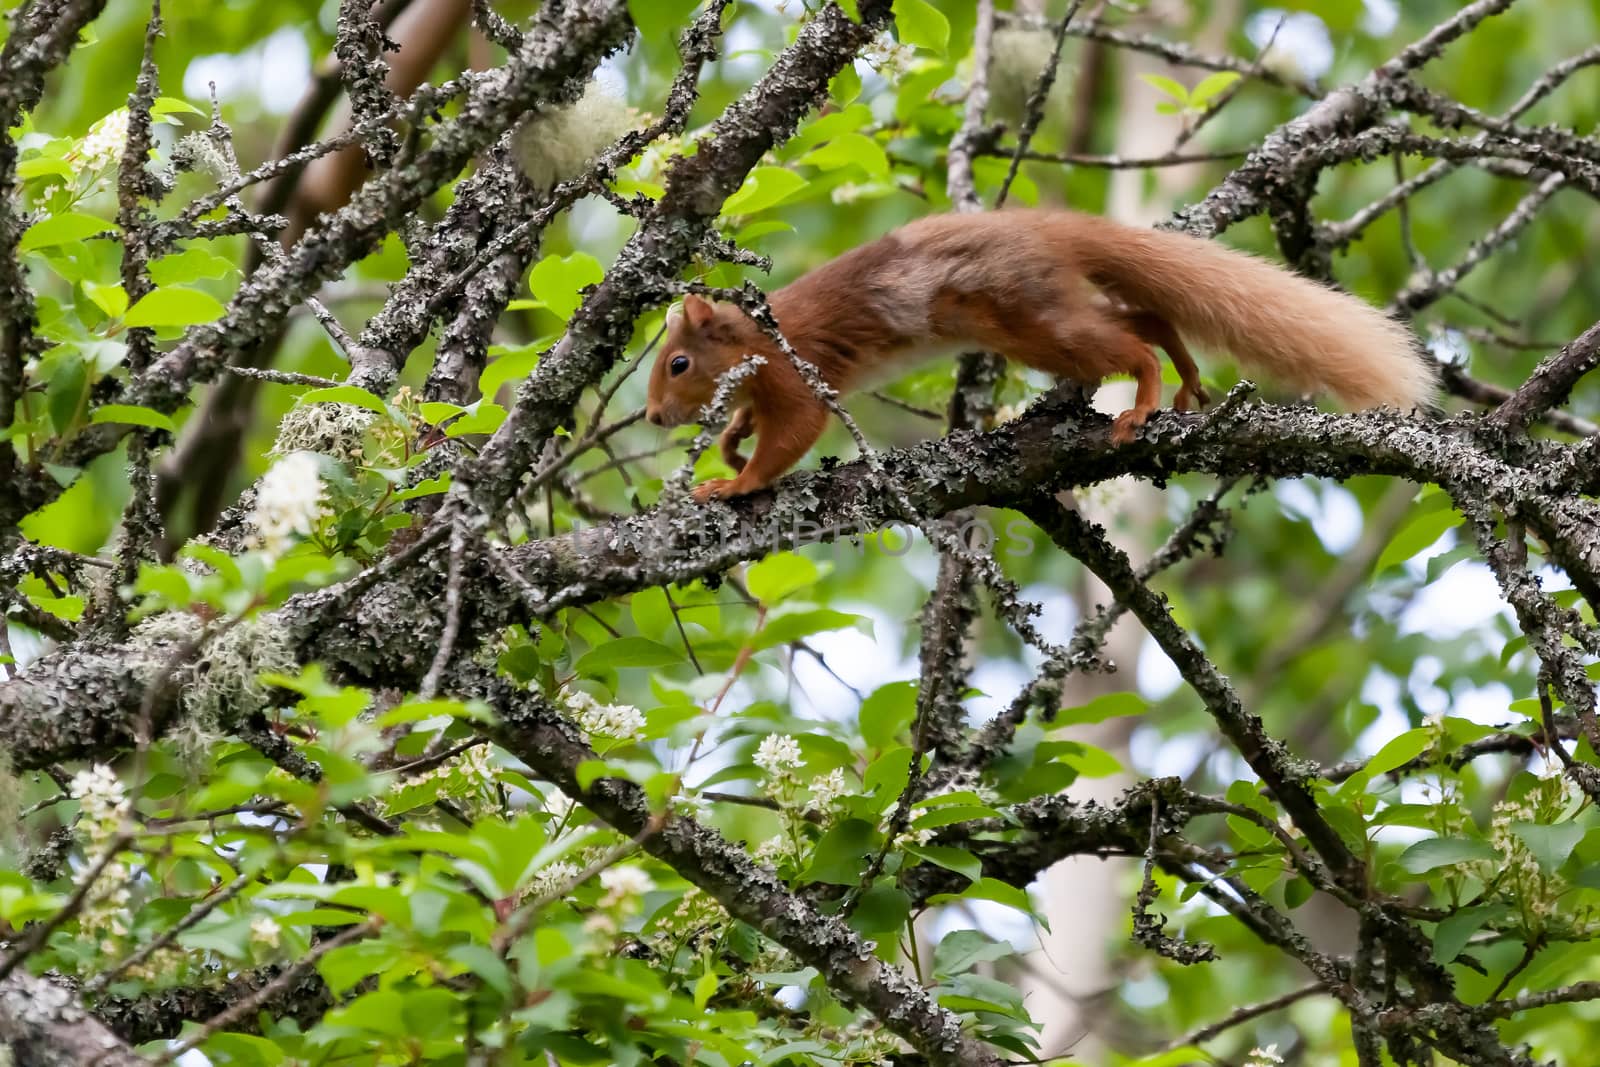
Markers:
(216, 672)
(1017, 56)
(334, 430)
(557, 143)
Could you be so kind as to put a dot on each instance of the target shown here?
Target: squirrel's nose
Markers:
(654, 415)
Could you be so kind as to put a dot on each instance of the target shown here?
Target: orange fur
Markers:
(1077, 296)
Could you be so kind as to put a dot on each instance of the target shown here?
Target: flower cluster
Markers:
(102, 146)
(696, 911)
(826, 789)
(614, 722)
(288, 501)
(471, 774)
(103, 805)
(773, 851)
(889, 57)
(624, 886)
(1263, 1056)
(102, 800)
(552, 879)
(1516, 868)
(264, 932)
(559, 806)
(777, 754)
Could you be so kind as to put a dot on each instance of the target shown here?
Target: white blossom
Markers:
(827, 788)
(477, 767)
(889, 57)
(559, 806)
(288, 500)
(624, 883)
(777, 753)
(102, 146)
(106, 910)
(620, 722)
(846, 193)
(552, 878)
(264, 931)
(773, 849)
(1263, 1056)
(101, 798)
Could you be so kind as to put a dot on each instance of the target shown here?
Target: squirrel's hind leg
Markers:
(1089, 346)
(1154, 330)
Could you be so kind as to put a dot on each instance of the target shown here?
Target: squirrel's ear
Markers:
(697, 311)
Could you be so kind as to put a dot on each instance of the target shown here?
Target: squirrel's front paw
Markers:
(714, 489)
(1125, 427)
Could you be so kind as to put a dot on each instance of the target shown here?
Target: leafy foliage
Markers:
(450, 904)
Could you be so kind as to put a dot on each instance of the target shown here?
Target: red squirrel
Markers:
(1077, 296)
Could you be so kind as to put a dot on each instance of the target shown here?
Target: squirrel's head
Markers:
(702, 341)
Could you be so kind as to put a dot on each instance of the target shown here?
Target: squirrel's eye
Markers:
(678, 365)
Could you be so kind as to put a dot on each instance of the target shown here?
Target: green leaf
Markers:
(887, 775)
(1431, 518)
(1399, 751)
(1212, 86)
(882, 909)
(66, 228)
(954, 813)
(661, 19)
(426, 487)
(174, 306)
(40, 166)
(922, 24)
(850, 149)
(763, 188)
(507, 366)
(486, 964)
(841, 855)
(190, 265)
(1452, 934)
(558, 280)
(65, 394)
(778, 575)
(1435, 852)
(1163, 84)
(435, 411)
(1550, 845)
(787, 628)
(961, 950)
(111, 299)
(486, 417)
(846, 85)
(887, 712)
(348, 964)
(959, 860)
(990, 889)
(346, 394)
(132, 415)
(171, 105)
(627, 652)
(1109, 706)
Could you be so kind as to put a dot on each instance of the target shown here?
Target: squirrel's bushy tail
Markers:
(1299, 332)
